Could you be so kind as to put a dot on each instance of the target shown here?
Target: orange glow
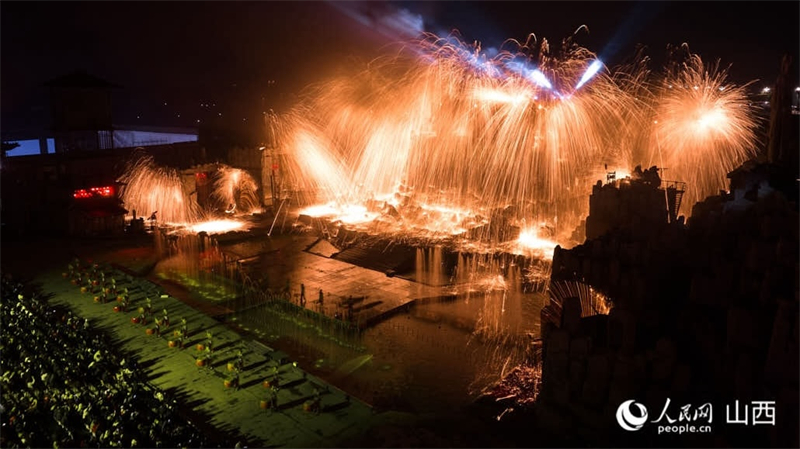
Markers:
(702, 128)
(349, 213)
(448, 136)
(622, 173)
(150, 188)
(218, 226)
(530, 242)
(236, 189)
(600, 302)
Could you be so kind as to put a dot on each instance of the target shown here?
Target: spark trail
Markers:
(441, 137)
(702, 127)
(443, 127)
(150, 188)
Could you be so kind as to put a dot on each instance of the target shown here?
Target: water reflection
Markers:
(431, 358)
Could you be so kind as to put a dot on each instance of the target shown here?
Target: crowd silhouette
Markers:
(65, 384)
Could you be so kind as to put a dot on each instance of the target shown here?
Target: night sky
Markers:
(179, 62)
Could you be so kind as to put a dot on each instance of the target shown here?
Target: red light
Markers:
(105, 191)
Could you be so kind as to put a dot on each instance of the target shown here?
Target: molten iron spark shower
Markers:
(159, 191)
(236, 189)
(148, 189)
(435, 141)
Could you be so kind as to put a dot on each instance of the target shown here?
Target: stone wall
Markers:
(622, 203)
(706, 312)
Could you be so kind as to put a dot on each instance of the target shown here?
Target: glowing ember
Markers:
(600, 303)
(349, 213)
(521, 386)
(530, 242)
(218, 226)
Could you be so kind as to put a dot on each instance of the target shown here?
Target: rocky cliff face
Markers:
(705, 312)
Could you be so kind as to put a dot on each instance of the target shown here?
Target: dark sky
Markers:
(224, 54)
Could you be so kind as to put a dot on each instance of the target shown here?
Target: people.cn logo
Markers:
(627, 419)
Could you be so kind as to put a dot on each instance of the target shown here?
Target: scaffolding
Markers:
(674, 191)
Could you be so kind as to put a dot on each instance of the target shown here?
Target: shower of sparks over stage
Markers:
(439, 139)
(161, 193)
(482, 164)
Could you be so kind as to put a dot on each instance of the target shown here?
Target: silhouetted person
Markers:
(153, 220)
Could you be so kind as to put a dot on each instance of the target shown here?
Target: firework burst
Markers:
(702, 127)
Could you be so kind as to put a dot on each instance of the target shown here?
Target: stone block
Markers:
(724, 283)
(580, 347)
(625, 280)
(557, 366)
(558, 342)
(640, 295)
(654, 399)
(665, 358)
(786, 249)
(620, 391)
(627, 369)
(741, 329)
(700, 289)
(743, 377)
(761, 255)
(597, 275)
(596, 249)
(594, 399)
(622, 330)
(577, 375)
(749, 286)
(613, 272)
(560, 392)
(586, 266)
(770, 284)
(571, 315)
(598, 376)
(596, 328)
(682, 378)
(769, 227)
(787, 415)
(782, 356)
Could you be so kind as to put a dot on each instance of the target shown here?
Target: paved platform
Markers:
(289, 259)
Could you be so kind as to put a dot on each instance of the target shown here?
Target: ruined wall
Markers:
(702, 313)
(624, 202)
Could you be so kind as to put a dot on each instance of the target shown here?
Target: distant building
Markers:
(81, 108)
(82, 120)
